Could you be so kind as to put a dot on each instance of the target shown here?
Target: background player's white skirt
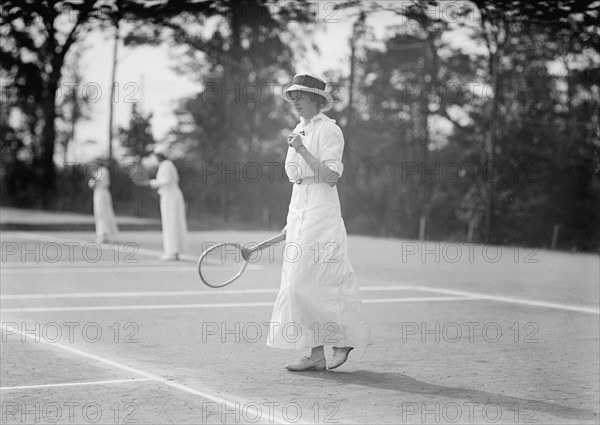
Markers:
(318, 301)
(104, 215)
(174, 224)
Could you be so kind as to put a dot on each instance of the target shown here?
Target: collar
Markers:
(320, 116)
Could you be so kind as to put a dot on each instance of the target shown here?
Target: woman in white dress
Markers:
(104, 215)
(172, 206)
(318, 303)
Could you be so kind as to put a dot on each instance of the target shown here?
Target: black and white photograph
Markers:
(300, 212)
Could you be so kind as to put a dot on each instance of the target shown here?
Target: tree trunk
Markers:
(48, 171)
(491, 141)
(232, 59)
(424, 107)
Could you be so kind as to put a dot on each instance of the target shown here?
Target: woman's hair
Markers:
(315, 98)
(318, 100)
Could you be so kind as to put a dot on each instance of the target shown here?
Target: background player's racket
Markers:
(139, 170)
(223, 263)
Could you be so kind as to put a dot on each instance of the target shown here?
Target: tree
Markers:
(35, 45)
(526, 143)
(72, 105)
(36, 38)
(402, 93)
(522, 39)
(240, 64)
(137, 138)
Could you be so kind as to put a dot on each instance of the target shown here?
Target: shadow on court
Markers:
(402, 383)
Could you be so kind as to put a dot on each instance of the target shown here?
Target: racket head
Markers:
(222, 264)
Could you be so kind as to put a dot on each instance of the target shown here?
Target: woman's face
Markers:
(303, 105)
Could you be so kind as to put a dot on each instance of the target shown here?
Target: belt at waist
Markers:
(306, 180)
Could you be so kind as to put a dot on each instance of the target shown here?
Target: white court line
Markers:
(110, 268)
(86, 270)
(232, 402)
(74, 384)
(497, 298)
(415, 299)
(25, 264)
(512, 300)
(117, 245)
(470, 295)
(119, 294)
(134, 307)
(40, 237)
(473, 295)
(211, 305)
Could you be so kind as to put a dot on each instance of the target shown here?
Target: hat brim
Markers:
(297, 87)
(161, 151)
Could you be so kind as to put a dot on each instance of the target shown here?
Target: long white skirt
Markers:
(104, 215)
(318, 301)
(174, 224)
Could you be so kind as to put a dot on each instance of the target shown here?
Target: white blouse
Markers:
(100, 178)
(167, 177)
(324, 139)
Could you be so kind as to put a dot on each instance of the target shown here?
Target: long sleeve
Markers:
(101, 178)
(166, 175)
(331, 147)
(295, 167)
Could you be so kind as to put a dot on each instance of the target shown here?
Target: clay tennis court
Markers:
(462, 334)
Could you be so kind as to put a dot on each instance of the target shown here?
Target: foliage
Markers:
(137, 139)
(498, 142)
(36, 38)
(236, 119)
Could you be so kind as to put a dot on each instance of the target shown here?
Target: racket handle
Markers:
(274, 240)
(246, 253)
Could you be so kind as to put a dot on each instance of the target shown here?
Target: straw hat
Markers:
(161, 150)
(308, 83)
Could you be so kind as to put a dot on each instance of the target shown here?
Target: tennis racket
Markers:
(223, 263)
(138, 171)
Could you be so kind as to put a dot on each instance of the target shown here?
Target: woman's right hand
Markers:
(294, 140)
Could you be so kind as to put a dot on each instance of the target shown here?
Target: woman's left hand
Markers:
(294, 140)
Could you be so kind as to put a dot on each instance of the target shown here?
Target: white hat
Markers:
(161, 150)
(310, 84)
(102, 161)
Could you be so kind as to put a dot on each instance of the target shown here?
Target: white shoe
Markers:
(169, 257)
(340, 355)
(307, 363)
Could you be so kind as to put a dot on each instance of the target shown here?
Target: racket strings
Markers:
(221, 264)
